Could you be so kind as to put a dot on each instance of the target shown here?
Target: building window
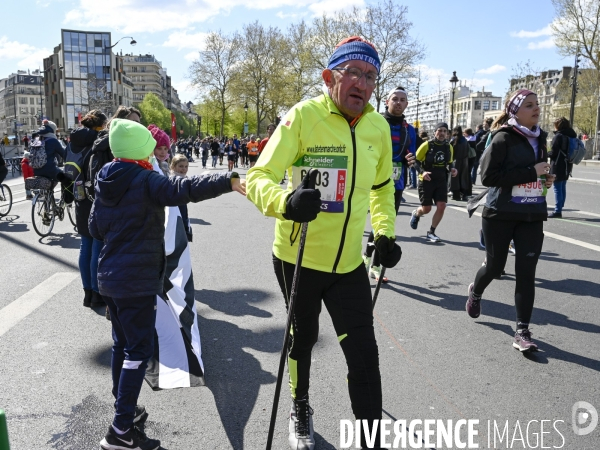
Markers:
(477, 105)
(486, 105)
(22, 100)
(495, 105)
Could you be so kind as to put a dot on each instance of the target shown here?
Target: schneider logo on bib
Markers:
(534, 192)
(331, 180)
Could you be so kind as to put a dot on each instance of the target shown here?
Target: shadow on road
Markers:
(506, 312)
(233, 375)
(70, 240)
(587, 263)
(195, 221)
(7, 224)
(548, 351)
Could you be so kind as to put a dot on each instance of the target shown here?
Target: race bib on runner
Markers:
(397, 171)
(534, 192)
(331, 180)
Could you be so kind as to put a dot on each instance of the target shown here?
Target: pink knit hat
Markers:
(159, 136)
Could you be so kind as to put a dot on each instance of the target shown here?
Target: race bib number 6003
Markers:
(331, 180)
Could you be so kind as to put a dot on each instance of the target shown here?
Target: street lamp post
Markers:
(574, 89)
(14, 91)
(246, 119)
(453, 82)
(133, 41)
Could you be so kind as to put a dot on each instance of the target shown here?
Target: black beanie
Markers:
(441, 125)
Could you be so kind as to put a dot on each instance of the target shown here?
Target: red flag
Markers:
(173, 127)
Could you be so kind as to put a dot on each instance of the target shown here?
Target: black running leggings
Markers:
(528, 237)
(371, 242)
(348, 300)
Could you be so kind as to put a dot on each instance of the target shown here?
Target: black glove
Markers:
(389, 252)
(304, 203)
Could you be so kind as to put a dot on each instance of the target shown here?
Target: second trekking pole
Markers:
(291, 305)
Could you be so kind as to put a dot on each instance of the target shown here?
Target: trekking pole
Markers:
(292, 304)
(381, 275)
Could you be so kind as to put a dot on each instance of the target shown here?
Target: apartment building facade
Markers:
(21, 102)
(148, 75)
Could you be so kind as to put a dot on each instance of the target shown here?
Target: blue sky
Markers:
(482, 41)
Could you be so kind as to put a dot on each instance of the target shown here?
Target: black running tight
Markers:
(528, 237)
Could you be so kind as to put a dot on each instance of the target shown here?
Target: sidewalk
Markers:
(588, 171)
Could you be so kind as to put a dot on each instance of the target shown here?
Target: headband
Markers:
(516, 101)
(354, 51)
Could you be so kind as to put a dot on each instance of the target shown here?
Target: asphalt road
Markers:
(436, 362)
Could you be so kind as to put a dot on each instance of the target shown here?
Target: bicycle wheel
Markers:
(6, 200)
(70, 207)
(42, 214)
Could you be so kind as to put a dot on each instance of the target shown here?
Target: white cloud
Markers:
(546, 31)
(548, 43)
(496, 68)
(283, 15)
(136, 16)
(330, 6)
(28, 56)
(183, 39)
(191, 56)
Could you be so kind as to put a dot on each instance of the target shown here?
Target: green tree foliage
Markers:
(153, 111)
(586, 103)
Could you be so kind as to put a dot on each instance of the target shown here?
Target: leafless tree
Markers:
(216, 68)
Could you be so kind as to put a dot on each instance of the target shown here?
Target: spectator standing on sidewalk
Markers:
(559, 164)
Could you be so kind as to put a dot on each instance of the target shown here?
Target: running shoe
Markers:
(511, 247)
(555, 215)
(367, 262)
(300, 427)
(432, 237)
(473, 305)
(375, 272)
(481, 239)
(140, 415)
(414, 220)
(523, 341)
(130, 440)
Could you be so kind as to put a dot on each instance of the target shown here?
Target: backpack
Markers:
(575, 151)
(38, 157)
(97, 160)
(75, 170)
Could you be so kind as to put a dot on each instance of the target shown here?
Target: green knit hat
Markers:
(130, 140)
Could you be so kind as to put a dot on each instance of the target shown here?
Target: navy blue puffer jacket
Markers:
(128, 215)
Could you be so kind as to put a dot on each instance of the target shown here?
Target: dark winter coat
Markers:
(558, 154)
(128, 214)
(461, 183)
(53, 151)
(82, 140)
(509, 161)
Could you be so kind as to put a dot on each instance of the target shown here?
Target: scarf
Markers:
(531, 135)
(143, 164)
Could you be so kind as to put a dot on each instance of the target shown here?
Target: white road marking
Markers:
(16, 311)
(546, 233)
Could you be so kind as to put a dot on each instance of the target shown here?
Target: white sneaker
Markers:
(367, 261)
(432, 237)
(301, 430)
(375, 272)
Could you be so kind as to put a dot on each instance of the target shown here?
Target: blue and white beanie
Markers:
(354, 51)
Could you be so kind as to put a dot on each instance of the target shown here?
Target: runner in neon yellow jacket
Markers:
(341, 136)
(315, 134)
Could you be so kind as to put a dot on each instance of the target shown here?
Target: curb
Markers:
(584, 181)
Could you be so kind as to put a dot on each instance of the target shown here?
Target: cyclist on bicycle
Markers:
(53, 149)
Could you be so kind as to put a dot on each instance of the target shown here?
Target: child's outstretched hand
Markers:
(238, 185)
